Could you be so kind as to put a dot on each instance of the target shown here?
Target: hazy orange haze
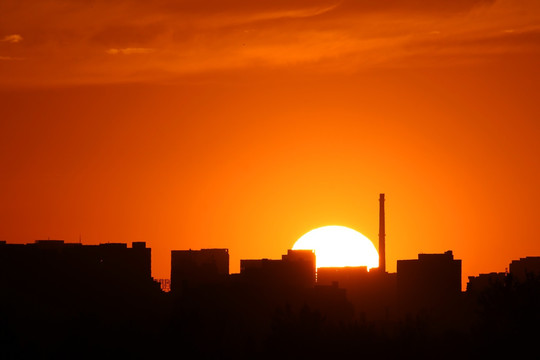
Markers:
(245, 124)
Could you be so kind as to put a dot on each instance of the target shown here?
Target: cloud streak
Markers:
(129, 51)
(13, 39)
(195, 36)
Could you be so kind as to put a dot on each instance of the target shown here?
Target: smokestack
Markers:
(382, 250)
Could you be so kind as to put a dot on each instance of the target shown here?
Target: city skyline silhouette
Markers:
(270, 307)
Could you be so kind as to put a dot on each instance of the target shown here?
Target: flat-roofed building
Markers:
(295, 269)
(431, 281)
(524, 267)
(53, 266)
(479, 283)
(194, 268)
(372, 293)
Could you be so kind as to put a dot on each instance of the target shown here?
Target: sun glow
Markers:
(339, 246)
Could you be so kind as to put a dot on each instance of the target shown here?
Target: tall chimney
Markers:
(382, 250)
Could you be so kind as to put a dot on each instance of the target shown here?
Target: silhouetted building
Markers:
(194, 268)
(264, 285)
(59, 299)
(430, 282)
(524, 267)
(344, 276)
(331, 300)
(372, 293)
(479, 283)
(71, 278)
(302, 264)
(79, 265)
(296, 269)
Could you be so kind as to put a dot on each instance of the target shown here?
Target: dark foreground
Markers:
(133, 321)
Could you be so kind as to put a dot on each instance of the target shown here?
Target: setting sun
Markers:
(338, 246)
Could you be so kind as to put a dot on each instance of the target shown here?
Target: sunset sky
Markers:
(244, 124)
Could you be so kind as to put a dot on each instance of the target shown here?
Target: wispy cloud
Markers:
(129, 51)
(13, 38)
(164, 37)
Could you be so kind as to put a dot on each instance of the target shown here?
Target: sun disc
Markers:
(339, 246)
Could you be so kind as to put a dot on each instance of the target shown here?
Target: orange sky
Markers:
(244, 124)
